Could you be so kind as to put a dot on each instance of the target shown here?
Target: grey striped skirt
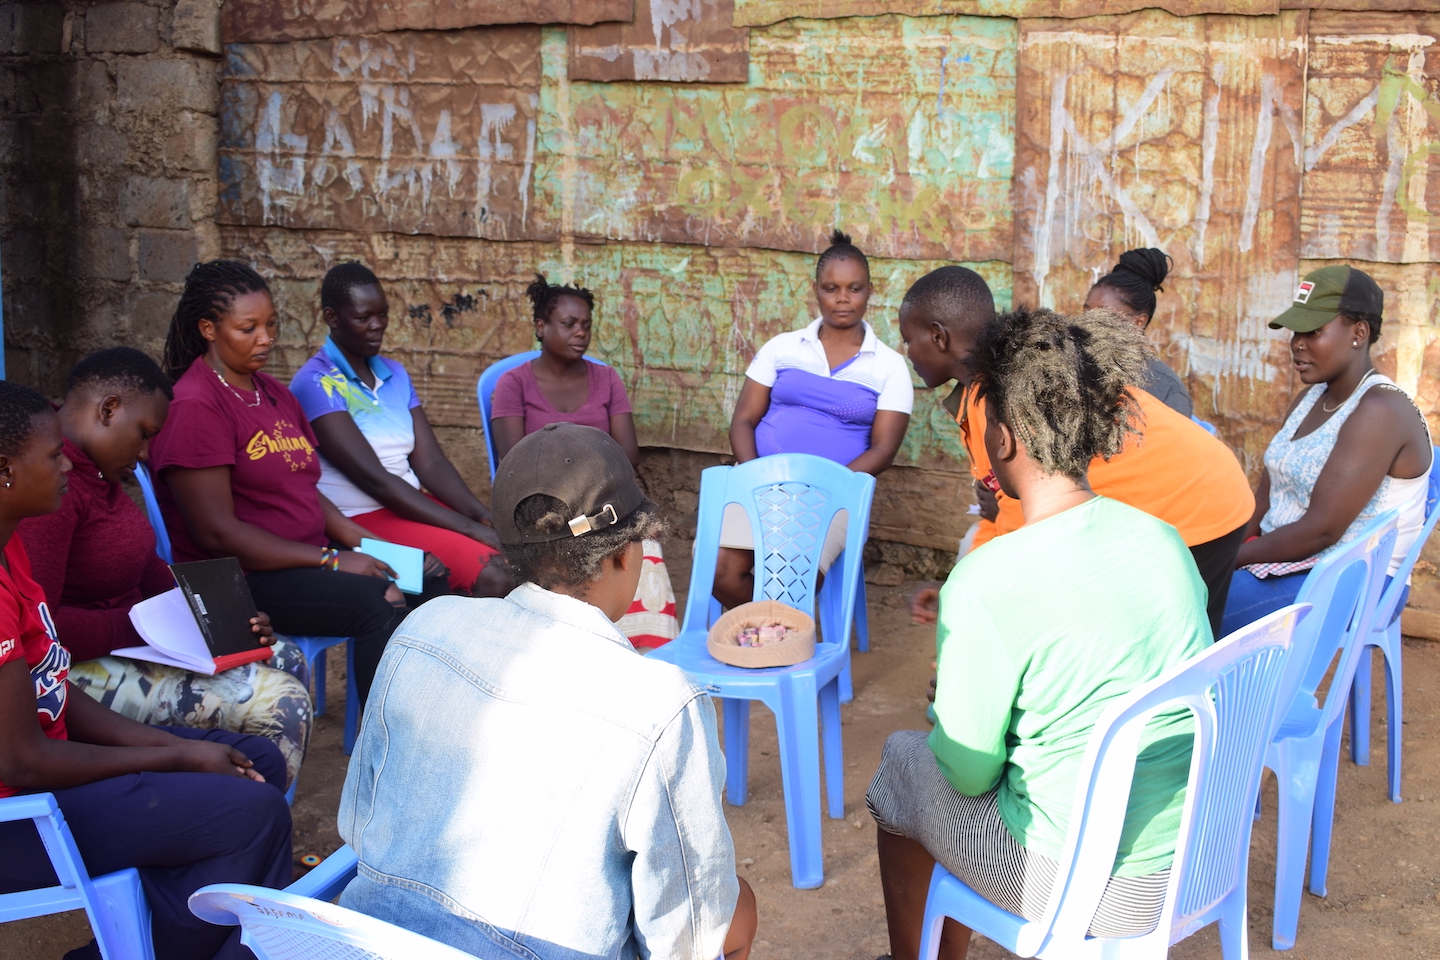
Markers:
(911, 797)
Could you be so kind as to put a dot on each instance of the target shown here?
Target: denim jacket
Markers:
(526, 785)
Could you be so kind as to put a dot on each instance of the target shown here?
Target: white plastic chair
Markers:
(114, 904)
(282, 926)
(1231, 690)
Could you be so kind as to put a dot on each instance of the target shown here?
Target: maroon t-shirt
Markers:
(274, 467)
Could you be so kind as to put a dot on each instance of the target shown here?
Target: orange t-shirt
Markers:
(1176, 472)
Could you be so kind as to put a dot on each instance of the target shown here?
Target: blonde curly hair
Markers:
(1061, 384)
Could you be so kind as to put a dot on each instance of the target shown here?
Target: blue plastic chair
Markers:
(313, 647)
(114, 904)
(790, 500)
(1305, 752)
(328, 880)
(1231, 690)
(485, 394)
(1385, 637)
(1209, 427)
(278, 925)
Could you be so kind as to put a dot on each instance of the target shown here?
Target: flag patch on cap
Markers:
(1302, 292)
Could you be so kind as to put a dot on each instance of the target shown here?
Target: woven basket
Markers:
(796, 648)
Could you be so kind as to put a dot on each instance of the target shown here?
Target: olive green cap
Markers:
(1329, 291)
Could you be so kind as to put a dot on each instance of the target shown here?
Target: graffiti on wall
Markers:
(414, 133)
(268, 21)
(671, 40)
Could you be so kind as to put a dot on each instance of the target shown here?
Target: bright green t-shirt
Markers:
(1039, 632)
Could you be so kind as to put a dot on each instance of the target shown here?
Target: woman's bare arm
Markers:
(750, 409)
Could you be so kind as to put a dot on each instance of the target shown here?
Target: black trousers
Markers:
(315, 602)
(182, 830)
(1216, 561)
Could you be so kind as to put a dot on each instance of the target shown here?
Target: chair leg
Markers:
(1235, 923)
(317, 670)
(1295, 805)
(847, 683)
(125, 914)
(352, 699)
(1394, 707)
(834, 750)
(862, 617)
(737, 750)
(798, 724)
(933, 925)
(1360, 710)
(1322, 822)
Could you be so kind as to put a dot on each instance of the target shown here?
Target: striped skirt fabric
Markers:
(911, 797)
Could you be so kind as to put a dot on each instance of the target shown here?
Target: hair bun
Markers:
(1147, 263)
(538, 290)
(839, 238)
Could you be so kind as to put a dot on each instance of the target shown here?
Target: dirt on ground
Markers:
(1384, 884)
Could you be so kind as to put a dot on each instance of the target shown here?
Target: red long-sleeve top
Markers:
(95, 558)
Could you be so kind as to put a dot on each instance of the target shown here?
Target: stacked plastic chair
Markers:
(1231, 691)
(1385, 637)
(313, 647)
(114, 904)
(1305, 753)
(790, 500)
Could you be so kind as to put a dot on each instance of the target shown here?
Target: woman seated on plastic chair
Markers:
(238, 472)
(561, 386)
(187, 807)
(1353, 446)
(376, 445)
(832, 390)
(95, 558)
(1037, 635)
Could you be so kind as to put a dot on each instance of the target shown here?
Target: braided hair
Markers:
(1060, 383)
(20, 408)
(1136, 278)
(841, 249)
(544, 295)
(340, 280)
(210, 289)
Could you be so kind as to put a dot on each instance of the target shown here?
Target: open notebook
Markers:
(203, 624)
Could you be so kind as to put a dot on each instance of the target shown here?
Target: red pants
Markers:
(465, 557)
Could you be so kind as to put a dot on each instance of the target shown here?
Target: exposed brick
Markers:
(100, 145)
(167, 84)
(166, 255)
(149, 312)
(155, 202)
(194, 144)
(102, 253)
(31, 27)
(122, 28)
(195, 25)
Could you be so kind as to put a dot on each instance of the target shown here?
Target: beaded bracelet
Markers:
(330, 557)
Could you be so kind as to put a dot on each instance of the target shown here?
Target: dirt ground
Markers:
(1384, 891)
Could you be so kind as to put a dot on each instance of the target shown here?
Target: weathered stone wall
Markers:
(108, 134)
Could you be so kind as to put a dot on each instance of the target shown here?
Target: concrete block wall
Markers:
(108, 140)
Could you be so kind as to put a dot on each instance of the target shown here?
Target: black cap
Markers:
(582, 467)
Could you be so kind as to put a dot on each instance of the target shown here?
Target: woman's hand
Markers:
(435, 567)
(483, 533)
(352, 561)
(988, 501)
(207, 756)
(925, 604)
(260, 626)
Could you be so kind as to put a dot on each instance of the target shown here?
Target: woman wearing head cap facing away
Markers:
(1129, 291)
(1353, 446)
(524, 778)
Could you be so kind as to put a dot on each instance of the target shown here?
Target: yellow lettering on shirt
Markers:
(263, 444)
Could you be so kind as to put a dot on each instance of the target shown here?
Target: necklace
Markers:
(234, 391)
(1363, 377)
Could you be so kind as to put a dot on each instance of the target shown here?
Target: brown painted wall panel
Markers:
(269, 21)
(1149, 130)
(666, 41)
(1372, 157)
(420, 132)
(755, 13)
